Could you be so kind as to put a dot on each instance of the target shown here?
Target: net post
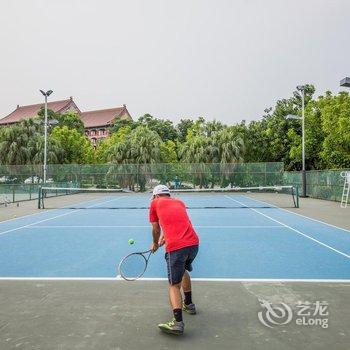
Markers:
(297, 196)
(39, 197)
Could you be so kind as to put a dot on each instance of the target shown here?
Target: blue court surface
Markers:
(246, 240)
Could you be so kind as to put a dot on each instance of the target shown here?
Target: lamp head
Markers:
(345, 82)
(47, 93)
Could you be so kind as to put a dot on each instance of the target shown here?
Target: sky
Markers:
(220, 59)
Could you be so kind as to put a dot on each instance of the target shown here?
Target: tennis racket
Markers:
(134, 265)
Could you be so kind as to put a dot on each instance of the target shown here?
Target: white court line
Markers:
(42, 212)
(150, 279)
(148, 226)
(322, 222)
(54, 217)
(293, 229)
(304, 216)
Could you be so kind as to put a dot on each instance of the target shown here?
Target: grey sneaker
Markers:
(190, 308)
(172, 327)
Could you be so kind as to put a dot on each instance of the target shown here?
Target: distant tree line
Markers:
(273, 138)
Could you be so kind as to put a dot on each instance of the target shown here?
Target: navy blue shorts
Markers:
(178, 261)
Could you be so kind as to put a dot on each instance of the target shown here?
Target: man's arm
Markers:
(156, 231)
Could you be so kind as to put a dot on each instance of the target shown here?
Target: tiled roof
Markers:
(25, 112)
(102, 117)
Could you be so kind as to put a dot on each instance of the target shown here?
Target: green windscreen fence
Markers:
(21, 182)
(138, 177)
(322, 184)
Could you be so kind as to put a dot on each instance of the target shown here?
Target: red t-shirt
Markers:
(176, 225)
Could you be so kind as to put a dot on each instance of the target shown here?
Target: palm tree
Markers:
(13, 145)
(36, 148)
(142, 146)
(231, 150)
(200, 150)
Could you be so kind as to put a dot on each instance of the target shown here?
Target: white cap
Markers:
(161, 189)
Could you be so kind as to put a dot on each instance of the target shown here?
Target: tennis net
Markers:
(214, 198)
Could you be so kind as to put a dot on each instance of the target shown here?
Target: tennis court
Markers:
(242, 237)
(252, 246)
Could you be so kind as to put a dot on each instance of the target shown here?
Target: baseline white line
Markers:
(147, 226)
(151, 279)
(293, 229)
(51, 218)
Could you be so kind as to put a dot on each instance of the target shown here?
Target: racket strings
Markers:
(133, 266)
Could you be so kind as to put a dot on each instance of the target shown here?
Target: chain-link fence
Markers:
(322, 184)
(19, 182)
(139, 177)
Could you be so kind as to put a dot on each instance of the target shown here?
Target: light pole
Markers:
(46, 95)
(301, 89)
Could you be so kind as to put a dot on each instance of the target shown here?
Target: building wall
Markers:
(97, 134)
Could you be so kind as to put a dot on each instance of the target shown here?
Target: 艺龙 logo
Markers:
(274, 314)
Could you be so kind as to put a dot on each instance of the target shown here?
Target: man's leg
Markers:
(175, 264)
(175, 296)
(188, 305)
(186, 282)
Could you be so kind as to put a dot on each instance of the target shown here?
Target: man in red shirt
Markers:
(171, 226)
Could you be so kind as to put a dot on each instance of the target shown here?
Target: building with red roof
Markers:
(96, 122)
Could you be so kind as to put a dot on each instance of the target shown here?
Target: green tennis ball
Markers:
(131, 241)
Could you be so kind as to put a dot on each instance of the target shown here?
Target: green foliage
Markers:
(121, 123)
(71, 120)
(168, 152)
(23, 143)
(149, 140)
(335, 112)
(163, 127)
(223, 146)
(142, 146)
(13, 145)
(102, 150)
(76, 147)
(183, 127)
(272, 138)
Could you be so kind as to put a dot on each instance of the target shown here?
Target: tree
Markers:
(103, 147)
(71, 120)
(314, 136)
(121, 123)
(255, 139)
(142, 146)
(168, 152)
(13, 145)
(76, 147)
(182, 128)
(279, 136)
(163, 127)
(230, 147)
(335, 111)
(213, 127)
